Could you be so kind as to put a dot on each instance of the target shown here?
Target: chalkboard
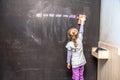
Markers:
(33, 35)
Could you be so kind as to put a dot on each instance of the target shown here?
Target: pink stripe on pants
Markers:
(77, 73)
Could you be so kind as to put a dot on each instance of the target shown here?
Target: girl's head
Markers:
(73, 35)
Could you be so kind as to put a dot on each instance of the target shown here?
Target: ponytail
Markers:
(75, 42)
(73, 35)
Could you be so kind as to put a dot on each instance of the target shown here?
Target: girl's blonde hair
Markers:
(73, 35)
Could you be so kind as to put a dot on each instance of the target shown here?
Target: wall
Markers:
(108, 69)
(109, 23)
(109, 32)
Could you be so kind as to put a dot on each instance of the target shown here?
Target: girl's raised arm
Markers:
(81, 22)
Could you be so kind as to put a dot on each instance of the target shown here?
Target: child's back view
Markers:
(75, 55)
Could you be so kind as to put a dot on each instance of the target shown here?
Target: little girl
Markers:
(74, 47)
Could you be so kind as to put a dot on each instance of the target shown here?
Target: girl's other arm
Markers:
(69, 54)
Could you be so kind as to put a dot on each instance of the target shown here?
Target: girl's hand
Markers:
(81, 19)
(68, 66)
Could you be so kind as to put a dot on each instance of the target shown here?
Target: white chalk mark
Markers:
(39, 15)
